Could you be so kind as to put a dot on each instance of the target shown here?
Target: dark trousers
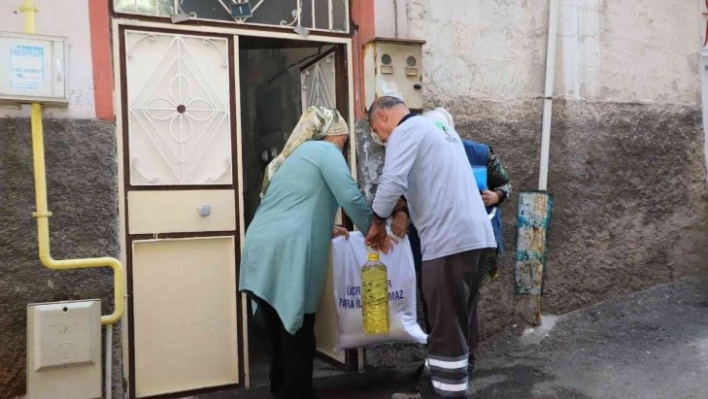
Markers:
(291, 356)
(451, 291)
(474, 330)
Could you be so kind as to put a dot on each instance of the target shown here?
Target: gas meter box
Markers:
(394, 67)
(33, 68)
(64, 350)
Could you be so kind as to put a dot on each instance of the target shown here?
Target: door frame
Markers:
(129, 240)
(118, 26)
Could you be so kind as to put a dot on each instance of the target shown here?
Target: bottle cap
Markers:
(373, 256)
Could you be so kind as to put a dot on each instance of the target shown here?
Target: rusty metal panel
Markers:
(534, 217)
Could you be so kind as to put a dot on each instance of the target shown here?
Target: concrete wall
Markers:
(82, 190)
(52, 19)
(607, 50)
(627, 165)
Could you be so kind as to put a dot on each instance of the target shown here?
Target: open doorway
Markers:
(279, 78)
(271, 102)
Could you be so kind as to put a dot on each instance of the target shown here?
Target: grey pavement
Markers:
(652, 344)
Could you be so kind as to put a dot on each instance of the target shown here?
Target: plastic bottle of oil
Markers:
(374, 295)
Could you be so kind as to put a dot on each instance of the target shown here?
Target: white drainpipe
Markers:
(704, 78)
(548, 95)
(704, 75)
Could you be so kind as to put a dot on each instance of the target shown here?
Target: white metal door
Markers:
(181, 211)
(178, 105)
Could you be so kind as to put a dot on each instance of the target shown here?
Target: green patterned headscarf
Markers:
(315, 124)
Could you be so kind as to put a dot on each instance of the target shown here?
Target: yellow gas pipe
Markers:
(43, 214)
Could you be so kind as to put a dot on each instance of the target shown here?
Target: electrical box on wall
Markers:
(394, 67)
(64, 350)
(33, 68)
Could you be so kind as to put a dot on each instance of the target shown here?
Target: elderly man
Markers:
(498, 190)
(430, 168)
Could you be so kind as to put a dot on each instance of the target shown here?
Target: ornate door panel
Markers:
(178, 109)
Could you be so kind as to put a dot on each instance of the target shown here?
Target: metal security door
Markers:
(181, 211)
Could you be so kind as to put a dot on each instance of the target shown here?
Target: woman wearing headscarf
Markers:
(284, 258)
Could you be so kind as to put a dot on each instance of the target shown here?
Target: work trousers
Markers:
(474, 330)
(450, 287)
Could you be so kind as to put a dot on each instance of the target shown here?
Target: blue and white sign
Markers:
(33, 69)
(26, 67)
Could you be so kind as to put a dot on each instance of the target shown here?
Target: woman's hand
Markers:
(340, 231)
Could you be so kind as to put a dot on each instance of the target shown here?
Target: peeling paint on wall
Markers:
(533, 221)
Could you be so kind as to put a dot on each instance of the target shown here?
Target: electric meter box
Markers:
(33, 68)
(394, 67)
(64, 350)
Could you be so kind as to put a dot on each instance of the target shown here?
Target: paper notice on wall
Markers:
(26, 67)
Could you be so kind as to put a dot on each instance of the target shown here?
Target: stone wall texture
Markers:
(627, 156)
(83, 196)
(630, 201)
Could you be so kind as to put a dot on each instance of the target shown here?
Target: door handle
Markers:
(204, 210)
(59, 70)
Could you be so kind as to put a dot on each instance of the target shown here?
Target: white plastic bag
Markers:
(348, 258)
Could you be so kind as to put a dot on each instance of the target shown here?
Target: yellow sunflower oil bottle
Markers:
(374, 295)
